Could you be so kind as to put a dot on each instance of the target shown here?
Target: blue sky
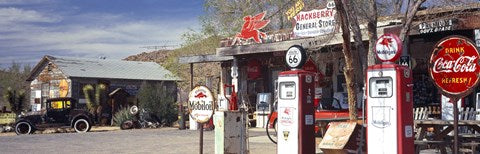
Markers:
(30, 29)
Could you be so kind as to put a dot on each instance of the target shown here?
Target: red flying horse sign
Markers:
(251, 27)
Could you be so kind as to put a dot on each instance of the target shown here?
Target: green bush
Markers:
(16, 100)
(88, 92)
(122, 115)
(156, 100)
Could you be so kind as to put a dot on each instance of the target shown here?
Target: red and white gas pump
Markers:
(389, 101)
(295, 106)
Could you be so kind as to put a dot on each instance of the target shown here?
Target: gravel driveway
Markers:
(163, 140)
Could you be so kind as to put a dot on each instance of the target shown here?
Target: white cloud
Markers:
(12, 15)
(27, 35)
(21, 2)
(116, 40)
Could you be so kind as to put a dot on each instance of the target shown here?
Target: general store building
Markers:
(259, 63)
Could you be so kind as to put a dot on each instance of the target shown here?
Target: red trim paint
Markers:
(404, 107)
(306, 136)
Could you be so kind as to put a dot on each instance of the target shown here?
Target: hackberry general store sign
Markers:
(315, 22)
(200, 104)
(454, 66)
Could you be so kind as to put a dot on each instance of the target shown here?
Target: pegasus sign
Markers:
(251, 27)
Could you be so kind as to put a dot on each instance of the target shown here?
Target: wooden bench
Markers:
(426, 144)
(469, 147)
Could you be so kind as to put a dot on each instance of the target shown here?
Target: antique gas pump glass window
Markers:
(287, 90)
(381, 87)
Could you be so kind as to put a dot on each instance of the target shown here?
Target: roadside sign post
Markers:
(201, 107)
(454, 66)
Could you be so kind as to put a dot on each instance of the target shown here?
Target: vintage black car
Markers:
(60, 112)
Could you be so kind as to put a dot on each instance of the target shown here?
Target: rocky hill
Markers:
(159, 56)
(202, 71)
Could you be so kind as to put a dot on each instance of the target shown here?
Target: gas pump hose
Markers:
(266, 128)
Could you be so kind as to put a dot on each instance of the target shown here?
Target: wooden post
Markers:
(191, 76)
(201, 138)
(454, 101)
(455, 124)
(200, 127)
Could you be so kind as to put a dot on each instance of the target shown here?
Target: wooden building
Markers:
(56, 76)
(259, 63)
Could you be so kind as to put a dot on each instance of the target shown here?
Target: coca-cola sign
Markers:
(454, 66)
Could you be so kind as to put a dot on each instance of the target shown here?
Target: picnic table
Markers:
(439, 137)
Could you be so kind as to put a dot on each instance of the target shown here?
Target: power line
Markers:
(166, 45)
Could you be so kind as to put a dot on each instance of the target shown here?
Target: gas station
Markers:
(398, 85)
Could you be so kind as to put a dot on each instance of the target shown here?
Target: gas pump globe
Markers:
(389, 101)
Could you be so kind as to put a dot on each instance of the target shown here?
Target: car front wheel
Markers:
(24, 127)
(81, 126)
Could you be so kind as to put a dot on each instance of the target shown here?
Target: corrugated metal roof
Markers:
(112, 69)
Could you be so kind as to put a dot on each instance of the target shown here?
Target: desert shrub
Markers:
(16, 99)
(122, 115)
(156, 99)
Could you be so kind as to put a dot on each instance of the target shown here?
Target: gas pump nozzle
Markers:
(232, 102)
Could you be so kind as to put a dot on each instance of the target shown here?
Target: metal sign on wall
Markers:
(437, 26)
(291, 12)
(201, 104)
(454, 66)
(314, 22)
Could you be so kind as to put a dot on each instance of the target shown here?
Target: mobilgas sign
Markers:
(388, 48)
(314, 22)
(454, 66)
(200, 104)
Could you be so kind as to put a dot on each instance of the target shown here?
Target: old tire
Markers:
(81, 125)
(127, 124)
(24, 127)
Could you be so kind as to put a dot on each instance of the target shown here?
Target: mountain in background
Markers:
(201, 71)
(159, 56)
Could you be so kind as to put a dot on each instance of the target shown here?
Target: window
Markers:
(287, 90)
(60, 104)
(57, 104)
(381, 87)
(67, 104)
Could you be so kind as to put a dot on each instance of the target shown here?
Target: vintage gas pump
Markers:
(295, 106)
(389, 101)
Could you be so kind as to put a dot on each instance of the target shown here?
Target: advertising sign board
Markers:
(200, 104)
(314, 22)
(388, 48)
(454, 66)
(295, 57)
